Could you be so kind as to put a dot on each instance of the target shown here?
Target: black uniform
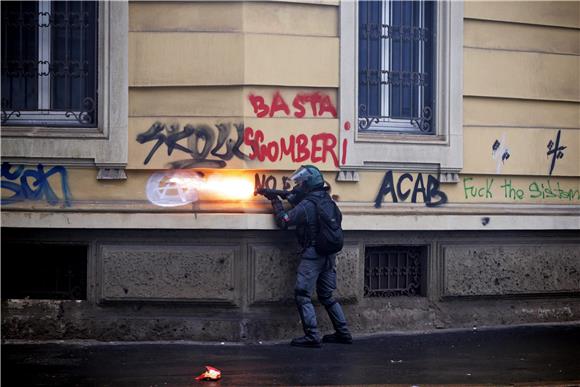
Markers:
(314, 269)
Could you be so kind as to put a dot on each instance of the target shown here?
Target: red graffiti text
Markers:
(317, 148)
(318, 103)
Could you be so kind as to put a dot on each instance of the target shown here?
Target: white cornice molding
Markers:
(351, 222)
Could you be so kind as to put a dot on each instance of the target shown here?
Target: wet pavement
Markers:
(538, 355)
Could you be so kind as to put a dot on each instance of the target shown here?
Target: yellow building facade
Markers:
(202, 102)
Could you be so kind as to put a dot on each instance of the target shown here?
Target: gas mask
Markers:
(297, 194)
(300, 178)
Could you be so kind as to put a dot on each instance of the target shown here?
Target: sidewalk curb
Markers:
(366, 336)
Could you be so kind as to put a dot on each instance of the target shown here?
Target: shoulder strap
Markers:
(312, 199)
(313, 226)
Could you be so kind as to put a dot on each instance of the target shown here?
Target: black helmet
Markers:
(308, 178)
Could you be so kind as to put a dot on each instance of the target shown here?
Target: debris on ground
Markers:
(211, 373)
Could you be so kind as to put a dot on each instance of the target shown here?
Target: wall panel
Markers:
(493, 73)
(552, 13)
(184, 101)
(192, 273)
(527, 150)
(511, 269)
(172, 16)
(290, 19)
(291, 61)
(521, 37)
(501, 112)
(270, 264)
(182, 59)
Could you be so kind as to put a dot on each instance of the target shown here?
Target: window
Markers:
(395, 271)
(401, 84)
(395, 65)
(65, 83)
(44, 271)
(49, 63)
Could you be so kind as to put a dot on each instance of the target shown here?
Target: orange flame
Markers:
(211, 373)
(219, 187)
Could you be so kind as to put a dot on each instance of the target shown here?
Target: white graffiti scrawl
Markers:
(500, 153)
(165, 189)
(180, 187)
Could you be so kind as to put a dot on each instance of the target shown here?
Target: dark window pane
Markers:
(19, 56)
(74, 43)
(370, 57)
(430, 55)
(396, 64)
(49, 63)
(44, 271)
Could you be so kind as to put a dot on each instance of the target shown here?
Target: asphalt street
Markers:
(532, 355)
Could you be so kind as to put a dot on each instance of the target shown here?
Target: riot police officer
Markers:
(314, 269)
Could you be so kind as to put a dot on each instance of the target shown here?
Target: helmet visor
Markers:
(300, 176)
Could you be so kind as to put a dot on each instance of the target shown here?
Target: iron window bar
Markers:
(393, 271)
(49, 75)
(396, 66)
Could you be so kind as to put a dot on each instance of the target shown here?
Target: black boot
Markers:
(337, 338)
(311, 336)
(306, 341)
(341, 333)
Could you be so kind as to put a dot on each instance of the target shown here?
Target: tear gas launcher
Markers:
(273, 193)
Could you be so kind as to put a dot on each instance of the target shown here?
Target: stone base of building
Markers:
(238, 285)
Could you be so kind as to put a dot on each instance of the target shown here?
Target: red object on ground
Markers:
(211, 373)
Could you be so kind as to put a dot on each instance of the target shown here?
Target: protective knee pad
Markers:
(302, 297)
(326, 299)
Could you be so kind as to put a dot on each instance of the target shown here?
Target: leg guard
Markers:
(307, 314)
(336, 315)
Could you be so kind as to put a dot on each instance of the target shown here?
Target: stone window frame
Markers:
(103, 146)
(441, 152)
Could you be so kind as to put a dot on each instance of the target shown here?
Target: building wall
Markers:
(191, 65)
(202, 285)
(501, 244)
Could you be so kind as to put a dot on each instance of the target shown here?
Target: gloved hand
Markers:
(268, 194)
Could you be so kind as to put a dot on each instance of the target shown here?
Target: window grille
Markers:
(49, 63)
(396, 66)
(44, 271)
(394, 271)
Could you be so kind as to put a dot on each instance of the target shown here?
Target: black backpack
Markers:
(329, 237)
